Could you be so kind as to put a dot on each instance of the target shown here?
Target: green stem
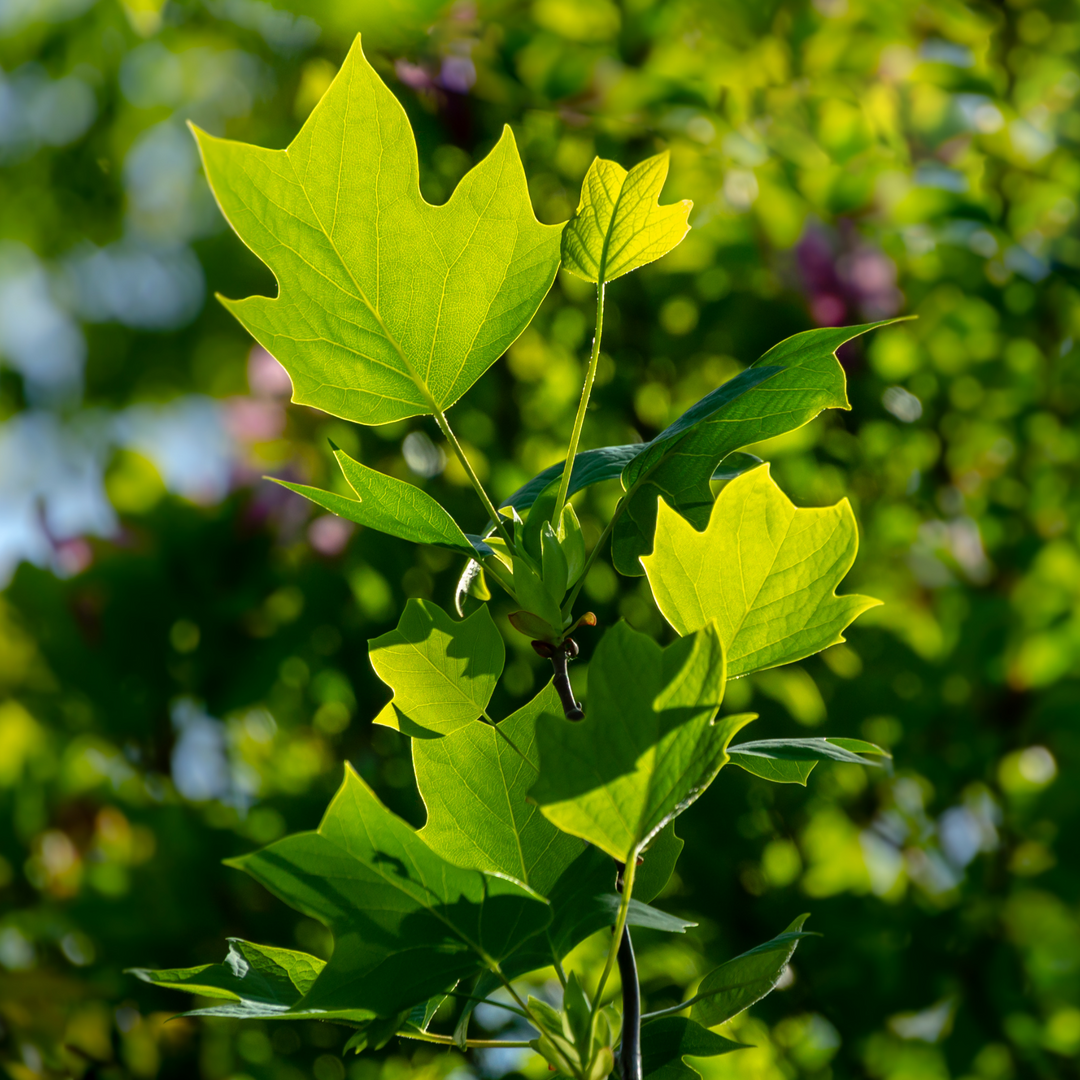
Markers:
(620, 925)
(488, 1001)
(579, 420)
(451, 438)
(446, 1040)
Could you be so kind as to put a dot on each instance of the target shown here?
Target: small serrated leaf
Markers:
(764, 570)
(619, 224)
(443, 672)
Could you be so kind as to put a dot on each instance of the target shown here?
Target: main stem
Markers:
(630, 1044)
(579, 420)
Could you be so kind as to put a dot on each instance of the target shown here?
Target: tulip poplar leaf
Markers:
(783, 390)
(442, 671)
(648, 745)
(765, 571)
(790, 761)
(387, 306)
(665, 1042)
(407, 924)
(619, 224)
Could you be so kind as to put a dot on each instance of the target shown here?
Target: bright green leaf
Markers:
(407, 924)
(736, 985)
(474, 784)
(764, 570)
(666, 1041)
(784, 389)
(647, 746)
(387, 307)
(256, 980)
(391, 506)
(619, 224)
(790, 761)
(442, 671)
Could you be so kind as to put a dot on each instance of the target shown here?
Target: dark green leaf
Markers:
(639, 914)
(407, 924)
(658, 864)
(665, 1042)
(790, 761)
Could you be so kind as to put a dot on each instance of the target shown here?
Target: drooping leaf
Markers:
(256, 980)
(642, 914)
(647, 746)
(388, 307)
(764, 570)
(391, 506)
(784, 389)
(666, 1041)
(407, 924)
(474, 784)
(790, 761)
(658, 864)
(736, 985)
(442, 671)
(619, 224)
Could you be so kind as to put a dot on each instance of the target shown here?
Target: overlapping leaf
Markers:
(790, 761)
(736, 985)
(391, 506)
(647, 746)
(666, 1041)
(784, 389)
(255, 980)
(407, 924)
(619, 224)
(442, 671)
(388, 307)
(765, 571)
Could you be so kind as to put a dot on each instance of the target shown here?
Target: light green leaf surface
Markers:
(442, 671)
(765, 571)
(784, 389)
(391, 506)
(658, 864)
(665, 1042)
(736, 985)
(619, 224)
(387, 307)
(256, 980)
(647, 746)
(407, 924)
(474, 784)
(790, 761)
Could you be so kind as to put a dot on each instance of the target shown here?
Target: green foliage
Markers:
(764, 570)
(442, 672)
(664, 1043)
(389, 307)
(649, 746)
(790, 761)
(406, 923)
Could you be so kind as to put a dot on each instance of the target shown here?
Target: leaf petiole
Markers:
(583, 404)
(620, 926)
(447, 1040)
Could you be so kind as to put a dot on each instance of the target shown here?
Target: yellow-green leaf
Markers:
(442, 671)
(619, 224)
(765, 571)
(388, 306)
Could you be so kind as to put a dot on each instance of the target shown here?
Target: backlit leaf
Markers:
(647, 746)
(619, 224)
(790, 761)
(784, 389)
(764, 570)
(442, 671)
(391, 506)
(407, 924)
(388, 306)
(736, 985)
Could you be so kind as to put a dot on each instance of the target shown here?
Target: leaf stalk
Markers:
(583, 404)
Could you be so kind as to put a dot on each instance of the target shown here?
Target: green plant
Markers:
(548, 826)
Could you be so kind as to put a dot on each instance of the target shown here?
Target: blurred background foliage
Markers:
(182, 645)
